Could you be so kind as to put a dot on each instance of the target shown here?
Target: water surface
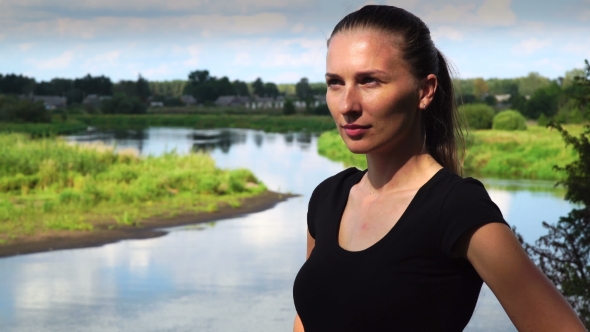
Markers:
(231, 275)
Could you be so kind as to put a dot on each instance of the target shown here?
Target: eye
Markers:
(369, 80)
(332, 82)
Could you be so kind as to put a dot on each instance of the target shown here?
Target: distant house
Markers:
(50, 102)
(232, 101)
(319, 100)
(188, 100)
(156, 104)
(502, 98)
(94, 100)
(266, 102)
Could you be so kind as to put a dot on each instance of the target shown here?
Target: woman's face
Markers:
(372, 95)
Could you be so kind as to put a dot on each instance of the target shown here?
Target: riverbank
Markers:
(103, 232)
(49, 186)
(268, 123)
(529, 154)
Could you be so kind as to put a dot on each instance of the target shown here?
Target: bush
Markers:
(509, 120)
(321, 109)
(121, 104)
(288, 108)
(13, 109)
(478, 116)
(543, 121)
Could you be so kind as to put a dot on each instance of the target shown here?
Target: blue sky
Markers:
(277, 40)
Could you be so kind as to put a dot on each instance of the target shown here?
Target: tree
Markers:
(258, 87)
(16, 84)
(122, 104)
(302, 89)
(271, 90)
(98, 85)
(564, 253)
(241, 88)
(142, 88)
(543, 101)
(288, 107)
(481, 88)
(531, 83)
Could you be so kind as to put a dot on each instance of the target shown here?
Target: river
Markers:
(230, 275)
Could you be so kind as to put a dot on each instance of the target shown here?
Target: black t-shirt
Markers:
(407, 281)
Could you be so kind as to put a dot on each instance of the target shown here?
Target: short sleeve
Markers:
(467, 205)
(311, 212)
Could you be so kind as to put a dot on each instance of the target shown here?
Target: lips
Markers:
(355, 129)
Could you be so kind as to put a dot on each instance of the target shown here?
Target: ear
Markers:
(427, 90)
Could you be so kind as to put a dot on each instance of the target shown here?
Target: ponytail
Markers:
(441, 125)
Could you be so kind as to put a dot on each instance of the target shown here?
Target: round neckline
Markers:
(342, 205)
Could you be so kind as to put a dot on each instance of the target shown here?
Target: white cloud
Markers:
(581, 49)
(194, 56)
(496, 13)
(62, 61)
(25, 46)
(101, 62)
(121, 27)
(297, 28)
(151, 6)
(491, 13)
(405, 4)
(530, 46)
(242, 59)
(447, 32)
(549, 63)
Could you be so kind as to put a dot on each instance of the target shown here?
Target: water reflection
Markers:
(234, 275)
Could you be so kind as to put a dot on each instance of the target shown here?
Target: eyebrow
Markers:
(361, 74)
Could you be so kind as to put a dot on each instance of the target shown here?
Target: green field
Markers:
(529, 154)
(50, 185)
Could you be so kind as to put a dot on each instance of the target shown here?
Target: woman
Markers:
(404, 245)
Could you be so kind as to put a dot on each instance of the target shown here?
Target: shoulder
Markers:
(337, 181)
(465, 205)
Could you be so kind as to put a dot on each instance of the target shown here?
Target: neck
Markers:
(400, 170)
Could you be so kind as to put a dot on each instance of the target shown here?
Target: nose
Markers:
(349, 100)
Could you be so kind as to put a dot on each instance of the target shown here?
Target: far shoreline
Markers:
(149, 228)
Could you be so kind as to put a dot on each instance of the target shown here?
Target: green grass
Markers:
(499, 154)
(49, 185)
(269, 123)
(43, 129)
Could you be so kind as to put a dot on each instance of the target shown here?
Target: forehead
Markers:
(363, 48)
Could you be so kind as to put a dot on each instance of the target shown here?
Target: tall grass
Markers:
(48, 184)
(490, 153)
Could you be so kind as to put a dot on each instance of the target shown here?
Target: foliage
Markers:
(43, 129)
(16, 84)
(288, 107)
(542, 121)
(98, 85)
(174, 88)
(509, 120)
(139, 88)
(321, 109)
(543, 101)
(122, 104)
(13, 109)
(480, 88)
(478, 116)
(206, 88)
(302, 89)
(564, 253)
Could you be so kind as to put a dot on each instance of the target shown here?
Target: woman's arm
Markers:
(531, 301)
(298, 326)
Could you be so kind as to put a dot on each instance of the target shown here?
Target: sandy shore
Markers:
(149, 228)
